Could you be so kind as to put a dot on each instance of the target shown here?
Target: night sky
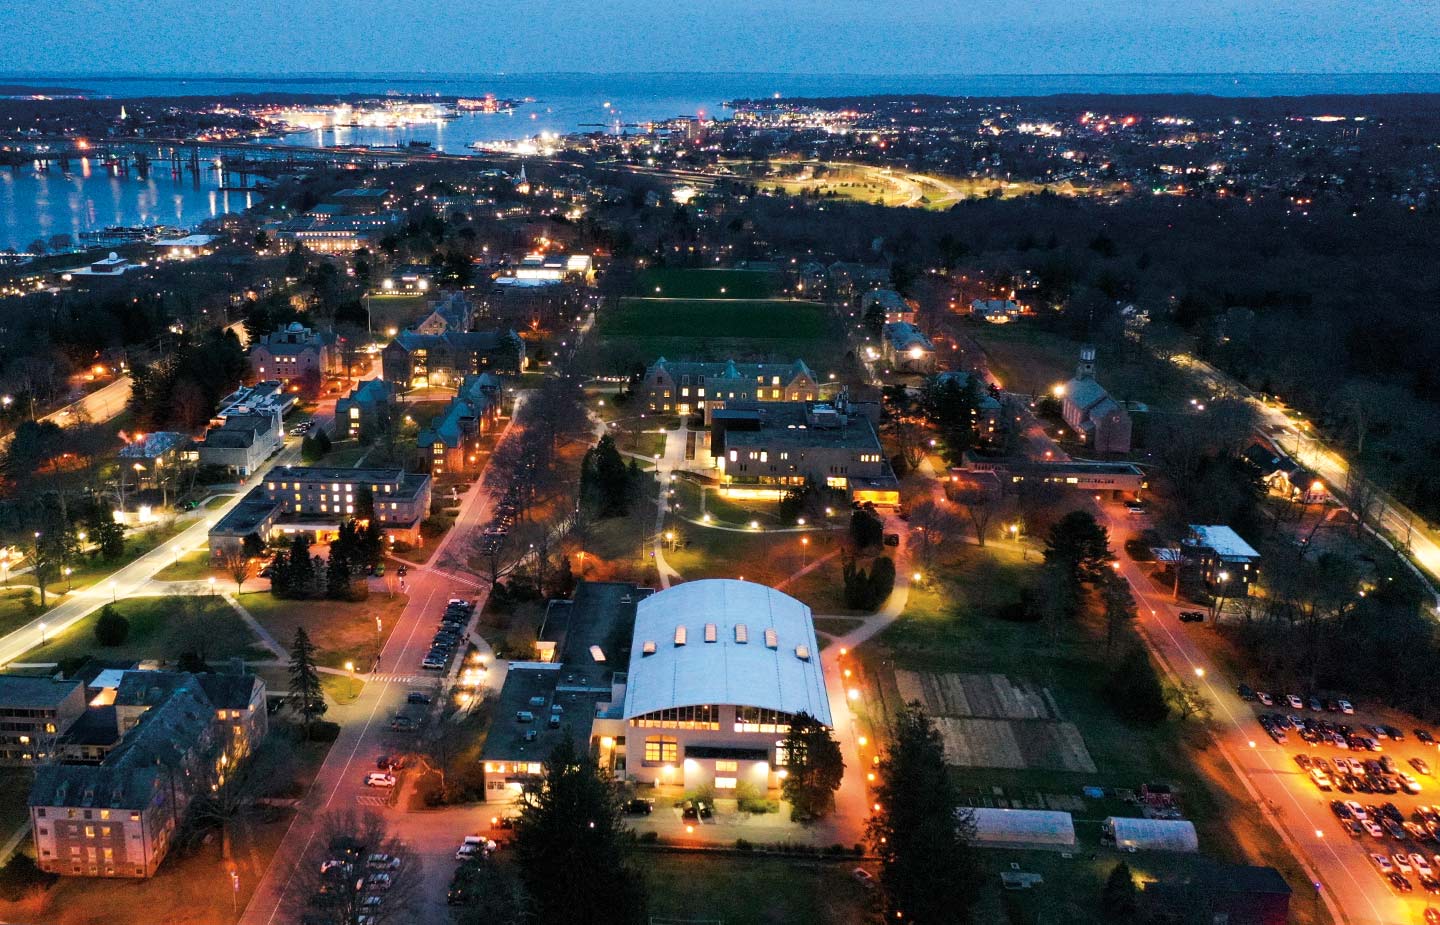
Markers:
(783, 36)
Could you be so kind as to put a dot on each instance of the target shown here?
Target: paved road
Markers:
(365, 735)
(132, 578)
(1348, 882)
(1296, 439)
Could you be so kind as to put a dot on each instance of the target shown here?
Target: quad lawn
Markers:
(708, 284)
(702, 318)
(161, 628)
(192, 566)
(341, 631)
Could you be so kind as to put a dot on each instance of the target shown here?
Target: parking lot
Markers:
(1377, 778)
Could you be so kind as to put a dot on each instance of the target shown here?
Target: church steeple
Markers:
(1086, 370)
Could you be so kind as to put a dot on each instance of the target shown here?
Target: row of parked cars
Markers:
(1423, 826)
(350, 871)
(502, 519)
(1343, 736)
(449, 634)
(1351, 775)
(1313, 702)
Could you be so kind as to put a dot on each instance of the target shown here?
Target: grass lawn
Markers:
(340, 688)
(341, 631)
(160, 628)
(395, 311)
(678, 283)
(15, 607)
(753, 891)
(1025, 358)
(951, 627)
(646, 444)
(706, 318)
(217, 502)
(344, 454)
(192, 566)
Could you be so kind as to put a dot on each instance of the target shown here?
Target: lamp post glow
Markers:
(42, 632)
(114, 592)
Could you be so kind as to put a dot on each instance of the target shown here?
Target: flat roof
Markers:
(1226, 543)
(534, 689)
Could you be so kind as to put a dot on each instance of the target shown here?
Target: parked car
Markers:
(1400, 884)
(639, 807)
(402, 723)
(418, 697)
(1265, 698)
(1346, 707)
(1295, 702)
(1192, 616)
(380, 779)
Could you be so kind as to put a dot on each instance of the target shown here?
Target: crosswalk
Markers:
(370, 800)
(416, 680)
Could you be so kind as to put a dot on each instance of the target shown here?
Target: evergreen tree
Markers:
(571, 846)
(866, 528)
(107, 535)
(306, 694)
(299, 568)
(1117, 899)
(337, 569)
(814, 768)
(918, 831)
(111, 629)
(1134, 689)
(604, 480)
(1079, 546)
(365, 504)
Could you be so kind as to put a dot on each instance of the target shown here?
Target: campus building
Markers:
(1096, 418)
(687, 387)
(451, 441)
(176, 735)
(294, 354)
(34, 714)
(906, 349)
(315, 500)
(894, 306)
(415, 360)
(1227, 563)
(763, 450)
(718, 670)
(1113, 479)
(365, 409)
(693, 686)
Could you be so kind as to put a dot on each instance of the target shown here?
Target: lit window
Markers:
(724, 783)
(731, 766)
(661, 748)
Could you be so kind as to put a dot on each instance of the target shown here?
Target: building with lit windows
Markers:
(315, 500)
(451, 441)
(907, 349)
(692, 686)
(176, 735)
(1096, 418)
(34, 713)
(1227, 563)
(366, 409)
(894, 306)
(763, 450)
(718, 669)
(672, 387)
(294, 353)
(416, 360)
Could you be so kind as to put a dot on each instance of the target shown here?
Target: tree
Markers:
(1186, 700)
(571, 845)
(919, 830)
(981, 503)
(1135, 691)
(299, 568)
(952, 408)
(489, 895)
(239, 565)
(106, 534)
(315, 445)
(111, 629)
(239, 785)
(1079, 546)
(1117, 898)
(1119, 610)
(306, 695)
(604, 480)
(866, 528)
(814, 769)
(365, 503)
(337, 895)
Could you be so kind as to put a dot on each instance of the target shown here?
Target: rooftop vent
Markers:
(772, 640)
(742, 633)
(679, 635)
(597, 653)
(711, 632)
(802, 653)
(648, 648)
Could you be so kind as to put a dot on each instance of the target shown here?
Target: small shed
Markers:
(1150, 834)
(1023, 827)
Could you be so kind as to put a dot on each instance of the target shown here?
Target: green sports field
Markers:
(708, 284)
(698, 318)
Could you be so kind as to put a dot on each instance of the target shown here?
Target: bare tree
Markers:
(239, 565)
(981, 503)
(345, 892)
(932, 523)
(1186, 701)
(239, 786)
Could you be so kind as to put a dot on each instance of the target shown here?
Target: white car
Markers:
(1346, 707)
(379, 779)
(1265, 698)
(1422, 866)
(1295, 702)
(1402, 861)
(1372, 828)
(1382, 862)
(1408, 783)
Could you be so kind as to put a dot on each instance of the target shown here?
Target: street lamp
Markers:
(68, 572)
(42, 632)
(114, 592)
(212, 585)
(1199, 672)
